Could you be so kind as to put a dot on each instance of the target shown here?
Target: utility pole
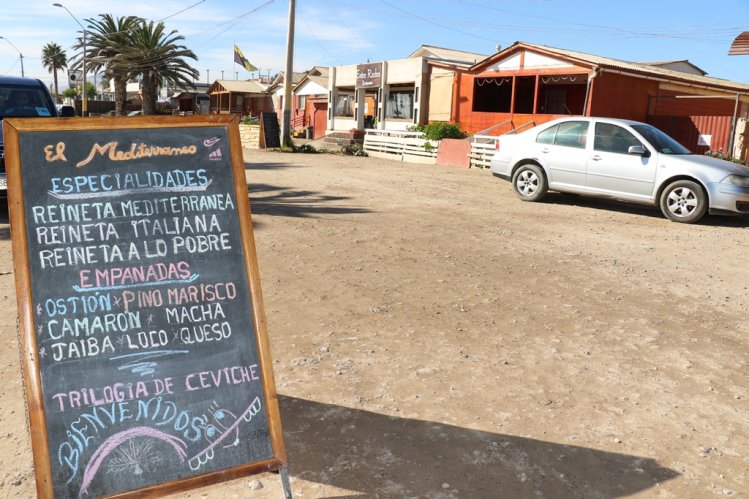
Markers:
(19, 54)
(288, 78)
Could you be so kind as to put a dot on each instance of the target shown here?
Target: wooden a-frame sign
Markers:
(143, 337)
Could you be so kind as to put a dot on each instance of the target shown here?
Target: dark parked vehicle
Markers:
(24, 98)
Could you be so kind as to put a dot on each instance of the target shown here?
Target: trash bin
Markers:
(308, 132)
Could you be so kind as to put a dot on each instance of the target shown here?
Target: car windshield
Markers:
(662, 142)
(23, 101)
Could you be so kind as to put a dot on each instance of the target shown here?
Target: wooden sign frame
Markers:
(14, 129)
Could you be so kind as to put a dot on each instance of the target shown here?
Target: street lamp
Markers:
(19, 52)
(84, 96)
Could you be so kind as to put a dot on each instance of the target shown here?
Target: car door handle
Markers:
(596, 158)
(545, 150)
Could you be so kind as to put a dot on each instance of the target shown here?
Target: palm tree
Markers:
(54, 59)
(158, 58)
(107, 38)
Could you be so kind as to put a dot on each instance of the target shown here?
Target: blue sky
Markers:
(336, 32)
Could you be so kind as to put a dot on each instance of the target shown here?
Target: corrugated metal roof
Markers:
(320, 80)
(318, 74)
(666, 64)
(632, 67)
(740, 45)
(445, 54)
(239, 86)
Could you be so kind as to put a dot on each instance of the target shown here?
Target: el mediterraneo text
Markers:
(114, 153)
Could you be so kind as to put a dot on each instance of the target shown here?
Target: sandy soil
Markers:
(433, 336)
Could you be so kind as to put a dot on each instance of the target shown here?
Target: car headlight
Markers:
(739, 180)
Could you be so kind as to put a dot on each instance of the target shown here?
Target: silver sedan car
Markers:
(620, 159)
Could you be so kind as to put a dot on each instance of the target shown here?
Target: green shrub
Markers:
(293, 148)
(724, 156)
(353, 150)
(246, 120)
(439, 130)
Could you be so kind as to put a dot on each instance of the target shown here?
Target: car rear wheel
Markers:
(684, 201)
(529, 182)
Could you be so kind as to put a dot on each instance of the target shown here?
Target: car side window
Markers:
(547, 136)
(571, 134)
(613, 138)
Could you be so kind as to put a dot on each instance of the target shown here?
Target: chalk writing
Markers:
(136, 151)
(143, 312)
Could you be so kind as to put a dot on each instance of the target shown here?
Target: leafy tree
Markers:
(54, 59)
(159, 58)
(70, 93)
(107, 38)
(90, 90)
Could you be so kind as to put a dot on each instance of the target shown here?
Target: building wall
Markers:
(403, 71)
(620, 96)
(345, 76)
(665, 104)
(400, 73)
(472, 121)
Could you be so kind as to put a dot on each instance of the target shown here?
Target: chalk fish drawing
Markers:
(221, 418)
(207, 454)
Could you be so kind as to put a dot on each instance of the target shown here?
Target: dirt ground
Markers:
(433, 336)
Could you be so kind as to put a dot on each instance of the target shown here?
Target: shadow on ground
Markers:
(382, 456)
(268, 165)
(604, 204)
(274, 200)
(4, 220)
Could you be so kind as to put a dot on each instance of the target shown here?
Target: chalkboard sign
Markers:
(145, 354)
(270, 132)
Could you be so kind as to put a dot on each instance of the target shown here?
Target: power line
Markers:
(181, 11)
(426, 20)
(355, 38)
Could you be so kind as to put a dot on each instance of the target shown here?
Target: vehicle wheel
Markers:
(684, 201)
(529, 182)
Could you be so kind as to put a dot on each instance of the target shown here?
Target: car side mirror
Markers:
(638, 151)
(67, 111)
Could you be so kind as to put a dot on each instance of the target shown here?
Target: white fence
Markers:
(411, 147)
(482, 150)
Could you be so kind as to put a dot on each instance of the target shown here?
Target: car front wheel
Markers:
(684, 201)
(529, 182)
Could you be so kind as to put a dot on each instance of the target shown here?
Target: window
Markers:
(662, 142)
(400, 104)
(571, 134)
(302, 102)
(525, 94)
(492, 95)
(344, 106)
(24, 101)
(612, 138)
(547, 136)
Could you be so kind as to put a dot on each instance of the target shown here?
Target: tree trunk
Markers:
(149, 94)
(57, 93)
(120, 95)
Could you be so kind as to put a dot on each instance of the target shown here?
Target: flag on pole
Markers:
(240, 59)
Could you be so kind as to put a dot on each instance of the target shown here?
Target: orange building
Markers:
(526, 84)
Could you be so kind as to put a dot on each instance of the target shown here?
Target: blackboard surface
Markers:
(271, 131)
(146, 343)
